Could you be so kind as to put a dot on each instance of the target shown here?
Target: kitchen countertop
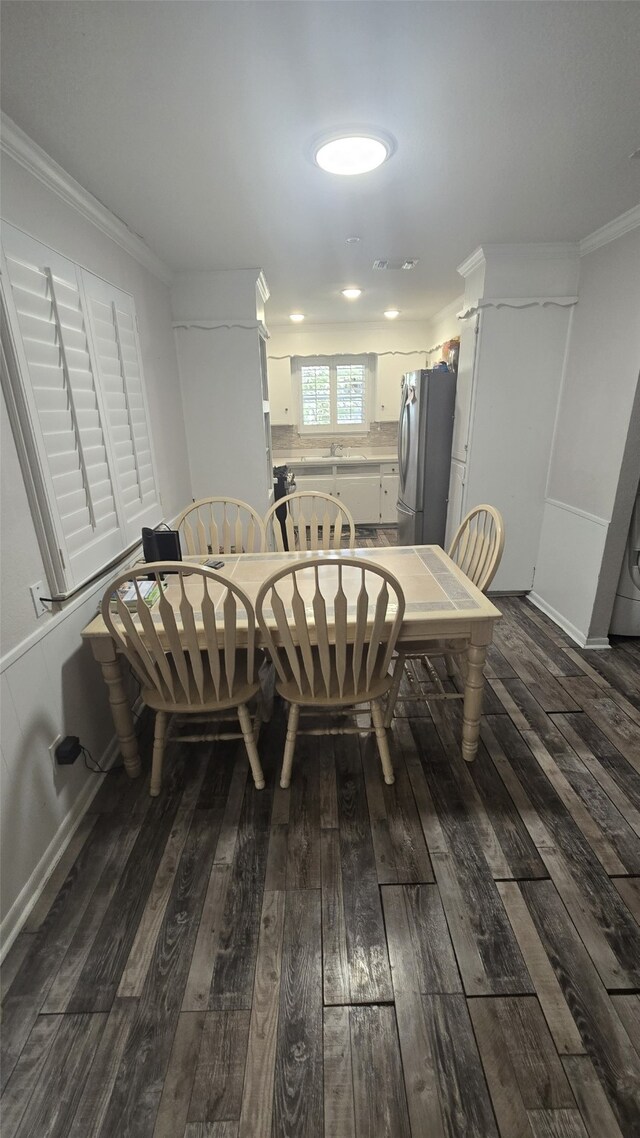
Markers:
(321, 458)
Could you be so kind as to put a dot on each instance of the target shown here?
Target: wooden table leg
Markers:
(473, 688)
(105, 653)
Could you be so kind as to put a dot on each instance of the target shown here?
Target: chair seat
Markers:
(351, 694)
(243, 690)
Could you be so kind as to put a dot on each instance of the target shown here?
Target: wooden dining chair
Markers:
(220, 525)
(477, 549)
(314, 521)
(193, 652)
(330, 625)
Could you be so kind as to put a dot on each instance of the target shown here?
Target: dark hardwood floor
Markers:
(454, 955)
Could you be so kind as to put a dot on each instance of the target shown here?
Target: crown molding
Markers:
(472, 262)
(262, 287)
(518, 302)
(17, 145)
(611, 231)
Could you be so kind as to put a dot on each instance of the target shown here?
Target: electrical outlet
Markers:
(52, 747)
(36, 596)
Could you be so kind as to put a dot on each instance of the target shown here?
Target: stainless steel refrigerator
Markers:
(425, 433)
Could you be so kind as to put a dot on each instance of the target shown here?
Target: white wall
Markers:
(400, 347)
(589, 484)
(442, 327)
(50, 683)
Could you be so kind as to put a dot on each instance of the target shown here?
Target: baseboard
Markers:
(595, 643)
(31, 891)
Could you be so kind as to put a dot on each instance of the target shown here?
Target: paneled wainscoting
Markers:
(454, 955)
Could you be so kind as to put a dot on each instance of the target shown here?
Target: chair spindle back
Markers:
(314, 521)
(346, 630)
(181, 648)
(220, 525)
(478, 544)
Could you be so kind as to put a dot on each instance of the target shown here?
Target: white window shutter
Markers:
(112, 323)
(60, 409)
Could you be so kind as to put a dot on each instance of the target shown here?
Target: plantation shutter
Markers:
(350, 393)
(334, 391)
(316, 394)
(83, 444)
(113, 326)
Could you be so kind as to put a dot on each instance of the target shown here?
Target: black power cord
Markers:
(97, 768)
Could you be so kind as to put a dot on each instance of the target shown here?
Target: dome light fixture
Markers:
(351, 293)
(352, 151)
(392, 313)
(297, 317)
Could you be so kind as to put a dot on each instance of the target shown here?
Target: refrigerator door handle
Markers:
(403, 443)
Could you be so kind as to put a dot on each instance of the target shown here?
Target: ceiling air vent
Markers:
(380, 264)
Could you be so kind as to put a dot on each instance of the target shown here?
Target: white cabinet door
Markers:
(360, 494)
(456, 499)
(312, 478)
(389, 498)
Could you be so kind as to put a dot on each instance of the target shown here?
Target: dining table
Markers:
(441, 603)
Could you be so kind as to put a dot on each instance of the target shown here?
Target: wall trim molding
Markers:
(473, 261)
(216, 325)
(68, 608)
(32, 889)
(596, 643)
(517, 302)
(17, 145)
(576, 510)
(611, 231)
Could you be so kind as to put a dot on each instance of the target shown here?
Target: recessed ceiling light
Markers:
(352, 240)
(297, 317)
(351, 152)
(351, 293)
(391, 313)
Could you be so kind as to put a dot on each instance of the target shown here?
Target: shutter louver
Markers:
(112, 322)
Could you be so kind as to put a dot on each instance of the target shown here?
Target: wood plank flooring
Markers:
(453, 956)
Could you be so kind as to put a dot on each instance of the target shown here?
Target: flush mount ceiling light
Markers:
(351, 293)
(297, 317)
(349, 152)
(391, 313)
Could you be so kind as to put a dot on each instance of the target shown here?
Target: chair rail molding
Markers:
(17, 145)
(576, 510)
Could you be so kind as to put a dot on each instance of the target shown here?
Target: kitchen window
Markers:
(333, 393)
(72, 376)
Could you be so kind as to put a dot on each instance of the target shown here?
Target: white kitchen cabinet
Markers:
(513, 338)
(315, 479)
(456, 493)
(369, 489)
(388, 493)
(220, 339)
(360, 494)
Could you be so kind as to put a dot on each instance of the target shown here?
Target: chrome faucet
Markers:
(336, 449)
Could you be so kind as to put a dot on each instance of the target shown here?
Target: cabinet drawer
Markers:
(388, 467)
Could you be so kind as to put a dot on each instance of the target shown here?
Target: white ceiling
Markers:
(192, 120)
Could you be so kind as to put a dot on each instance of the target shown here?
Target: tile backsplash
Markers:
(285, 438)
